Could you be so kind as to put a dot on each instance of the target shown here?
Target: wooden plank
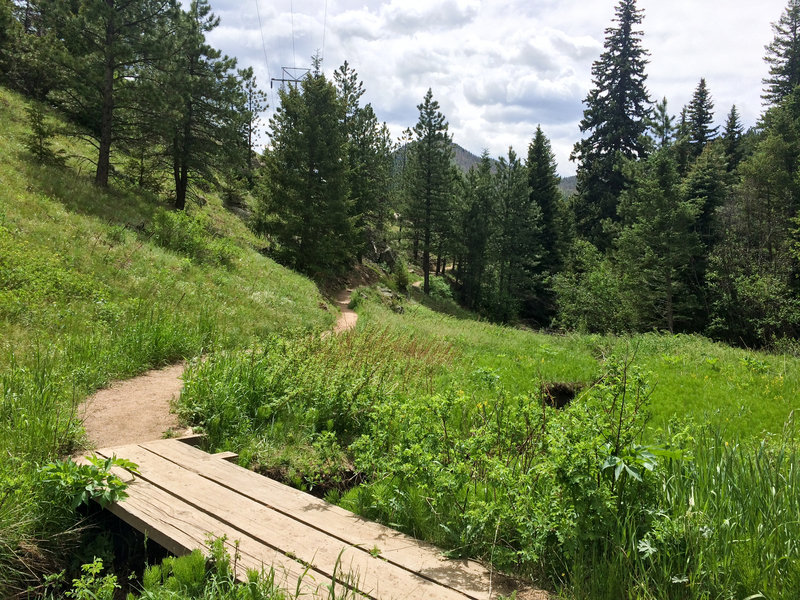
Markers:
(231, 457)
(468, 577)
(375, 577)
(181, 528)
(192, 439)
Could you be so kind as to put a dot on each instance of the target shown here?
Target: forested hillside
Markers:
(675, 224)
(608, 411)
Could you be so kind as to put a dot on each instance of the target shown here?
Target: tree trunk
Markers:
(670, 309)
(107, 109)
(426, 249)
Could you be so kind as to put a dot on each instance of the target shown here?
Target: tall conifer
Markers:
(543, 183)
(783, 56)
(701, 116)
(615, 117)
(732, 139)
(431, 178)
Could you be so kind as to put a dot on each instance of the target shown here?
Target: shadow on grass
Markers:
(77, 192)
(443, 306)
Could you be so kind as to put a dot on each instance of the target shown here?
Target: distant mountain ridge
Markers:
(465, 160)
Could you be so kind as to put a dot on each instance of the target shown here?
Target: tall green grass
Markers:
(745, 393)
(592, 500)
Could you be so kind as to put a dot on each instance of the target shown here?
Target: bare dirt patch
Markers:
(135, 410)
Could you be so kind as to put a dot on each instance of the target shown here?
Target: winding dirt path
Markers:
(138, 410)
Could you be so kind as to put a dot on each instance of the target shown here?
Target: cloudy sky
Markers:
(500, 68)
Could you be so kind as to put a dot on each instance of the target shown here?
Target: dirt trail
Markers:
(348, 317)
(138, 409)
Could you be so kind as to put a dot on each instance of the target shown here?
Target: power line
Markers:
(294, 54)
(264, 47)
(324, 29)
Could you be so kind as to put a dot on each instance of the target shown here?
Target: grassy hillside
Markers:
(97, 285)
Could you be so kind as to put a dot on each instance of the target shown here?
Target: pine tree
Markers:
(543, 185)
(783, 56)
(701, 116)
(517, 247)
(477, 228)
(204, 127)
(369, 161)
(753, 277)
(614, 121)
(105, 44)
(431, 177)
(705, 186)
(732, 139)
(657, 244)
(304, 204)
(662, 125)
(682, 144)
(255, 103)
(369, 180)
(6, 22)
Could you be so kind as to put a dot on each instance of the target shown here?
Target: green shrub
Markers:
(590, 294)
(189, 235)
(78, 484)
(401, 278)
(439, 288)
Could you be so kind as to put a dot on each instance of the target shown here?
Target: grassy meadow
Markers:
(672, 474)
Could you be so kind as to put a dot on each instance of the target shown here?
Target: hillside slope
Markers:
(98, 285)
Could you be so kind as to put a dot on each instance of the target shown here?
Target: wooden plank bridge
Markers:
(183, 495)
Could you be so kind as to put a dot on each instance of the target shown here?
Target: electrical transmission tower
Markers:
(291, 76)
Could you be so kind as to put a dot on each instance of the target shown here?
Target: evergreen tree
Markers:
(6, 23)
(255, 103)
(304, 204)
(29, 60)
(543, 185)
(369, 181)
(662, 125)
(701, 116)
(753, 276)
(783, 56)
(369, 161)
(732, 139)
(614, 121)
(477, 228)
(657, 244)
(706, 187)
(517, 243)
(204, 124)
(431, 177)
(105, 42)
(682, 144)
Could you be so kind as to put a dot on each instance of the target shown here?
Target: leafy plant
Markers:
(90, 586)
(79, 483)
